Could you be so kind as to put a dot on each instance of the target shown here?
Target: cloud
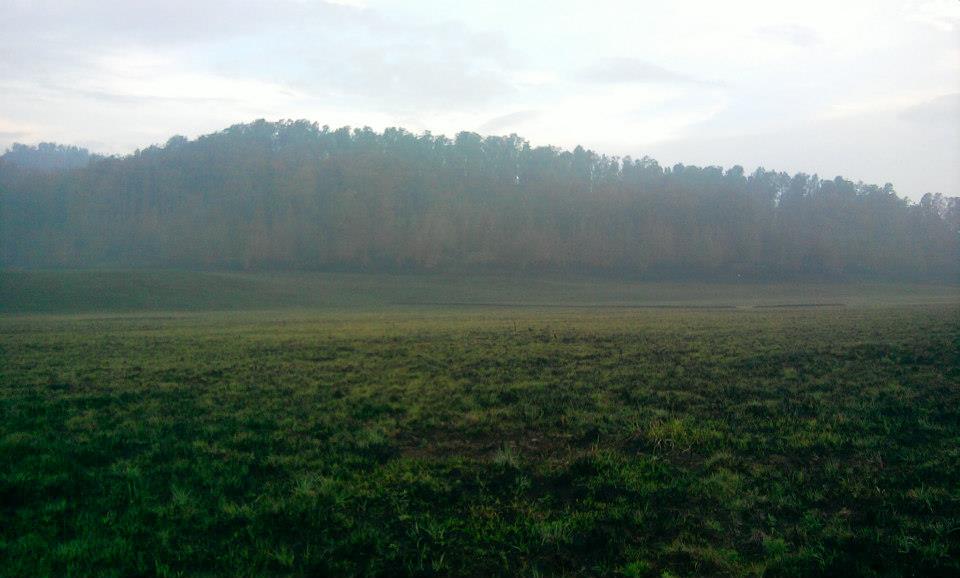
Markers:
(405, 77)
(943, 111)
(876, 147)
(508, 121)
(892, 104)
(941, 14)
(93, 48)
(794, 34)
(156, 22)
(252, 51)
(138, 79)
(12, 131)
(12, 135)
(632, 70)
(417, 68)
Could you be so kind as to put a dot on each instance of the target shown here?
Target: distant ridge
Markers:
(291, 195)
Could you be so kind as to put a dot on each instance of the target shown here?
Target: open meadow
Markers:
(185, 424)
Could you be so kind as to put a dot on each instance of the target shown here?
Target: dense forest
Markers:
(293, 195)
(47, 156)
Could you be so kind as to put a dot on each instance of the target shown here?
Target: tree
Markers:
(294, 195)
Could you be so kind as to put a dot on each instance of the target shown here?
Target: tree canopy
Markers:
(47, 156)
(295, 195)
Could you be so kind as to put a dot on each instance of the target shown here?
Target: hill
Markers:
(291, 195)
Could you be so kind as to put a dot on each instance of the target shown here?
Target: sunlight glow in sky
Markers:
(869, 89)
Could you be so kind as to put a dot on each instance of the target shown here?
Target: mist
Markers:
(421, 288)
(296, 196)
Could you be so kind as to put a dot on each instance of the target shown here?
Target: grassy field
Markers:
(138, 291)
(351, 425)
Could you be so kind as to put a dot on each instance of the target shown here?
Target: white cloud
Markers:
(147, 76)
(887, 103)
(13, 130)
(509, 122)
(941, 14)
(796, 34)
(634, 70)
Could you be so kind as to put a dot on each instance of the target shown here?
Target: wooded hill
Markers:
(293, 195)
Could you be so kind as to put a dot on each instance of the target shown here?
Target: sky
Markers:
(867, 89)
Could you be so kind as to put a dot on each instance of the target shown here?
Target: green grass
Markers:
(389, 440)
(149, 290)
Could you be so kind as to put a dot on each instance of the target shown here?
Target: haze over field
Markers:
(869, 89)
(401, 288)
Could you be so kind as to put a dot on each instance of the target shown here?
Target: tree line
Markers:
(294, 195)
(47, 156)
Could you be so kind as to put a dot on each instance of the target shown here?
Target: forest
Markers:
(293, 195)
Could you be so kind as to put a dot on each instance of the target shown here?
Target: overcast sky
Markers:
(869, 89)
